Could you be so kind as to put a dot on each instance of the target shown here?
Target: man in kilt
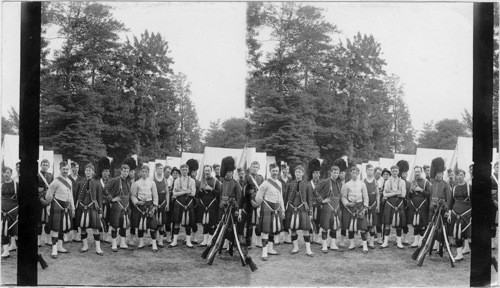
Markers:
(175, 173)
(418, 206)
(132, 164)
(44, 180)
(10, 210)
(145, 202)
(314, 169)
(103, 167)
(394, 212)
(89, 209)
(163, 203)
(459, 216)
(298, 214)
(331, 214)
(403, 172)
(208, 195)
(184, 192)
(285, 179)
(440, 194)
(373, 204)
(118, 194)
(270, 198)
(355, 200)
(198, 212)
(385, 176)
(251, 210)
(230, 196)
(75, 180)
(62, 209)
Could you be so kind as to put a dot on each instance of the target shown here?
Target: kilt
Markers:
(394, 212)
(317, 215)
(351, 221)
(198, 211)
(60, 216)
(170, 212)
(141, 218)
(380, 214)
(184, 211)
(270, 218)
(372, 216)
(10, 210)
(460, 227)
(297, 218)
(161, 212)
(418, 212)
(87, 216)
(118, 216)
(209, 210)
(331, 215)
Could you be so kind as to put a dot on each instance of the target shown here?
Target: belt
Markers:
(275, 218)
(396, 219)
(66, 218)
(294, 223)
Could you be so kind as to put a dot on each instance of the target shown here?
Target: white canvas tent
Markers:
(462, 155)
(173, 162)
(375, 164)
(10, 152)
(425, 156)
(386, 163)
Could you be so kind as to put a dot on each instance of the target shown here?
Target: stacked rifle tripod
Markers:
(222, 233)
(436, 231)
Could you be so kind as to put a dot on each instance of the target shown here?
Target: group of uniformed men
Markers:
(273, 209)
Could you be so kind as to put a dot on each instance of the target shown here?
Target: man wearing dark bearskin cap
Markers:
(251, 210)
(231, 194)
(418, 205)
(440, 192)
(103, 170)
(198, 210)
(314, 171)
(298, 215)
(117, 193)
(394, 213)
(184, 192)
(331, 214)
(403, 173)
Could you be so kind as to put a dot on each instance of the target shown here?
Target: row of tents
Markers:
(459, 158)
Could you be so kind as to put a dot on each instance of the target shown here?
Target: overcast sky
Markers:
(429, 45)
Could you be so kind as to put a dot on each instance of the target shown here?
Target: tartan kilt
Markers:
(106, 210)
(347, 217)
(316, 212)
(211, 212)
(87, 217)
(118, 215)
(60, 216)
(270, 218)
(422, 213)
(390, 212)
(459, 208)
(140, 218)
(297, 215)
(381, 211)
(184, 206)
(331, 216)
(10, 210)
(170, 212)
(198, 211)
(161, 213)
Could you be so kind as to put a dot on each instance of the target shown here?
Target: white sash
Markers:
(43, 178)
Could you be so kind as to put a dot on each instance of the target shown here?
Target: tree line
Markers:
(102, 96)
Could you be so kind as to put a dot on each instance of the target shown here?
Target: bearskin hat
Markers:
(403, 167)
(131, 163)
(226, 165)
(103, 164)
(341, 164)
(313, 165)
(192, 165)
(437, 165)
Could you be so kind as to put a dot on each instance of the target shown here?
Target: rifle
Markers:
(220, 238)
(214, 238)
(430, 239)
(424, 238)
(244, 257)
(452, 259)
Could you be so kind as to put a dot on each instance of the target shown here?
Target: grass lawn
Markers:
(181, 266)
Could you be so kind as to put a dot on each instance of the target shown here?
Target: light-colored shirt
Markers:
(183, 184)
(57, 190)
(395, 185)
(268, 192)
(354, 192)
(144, 190)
